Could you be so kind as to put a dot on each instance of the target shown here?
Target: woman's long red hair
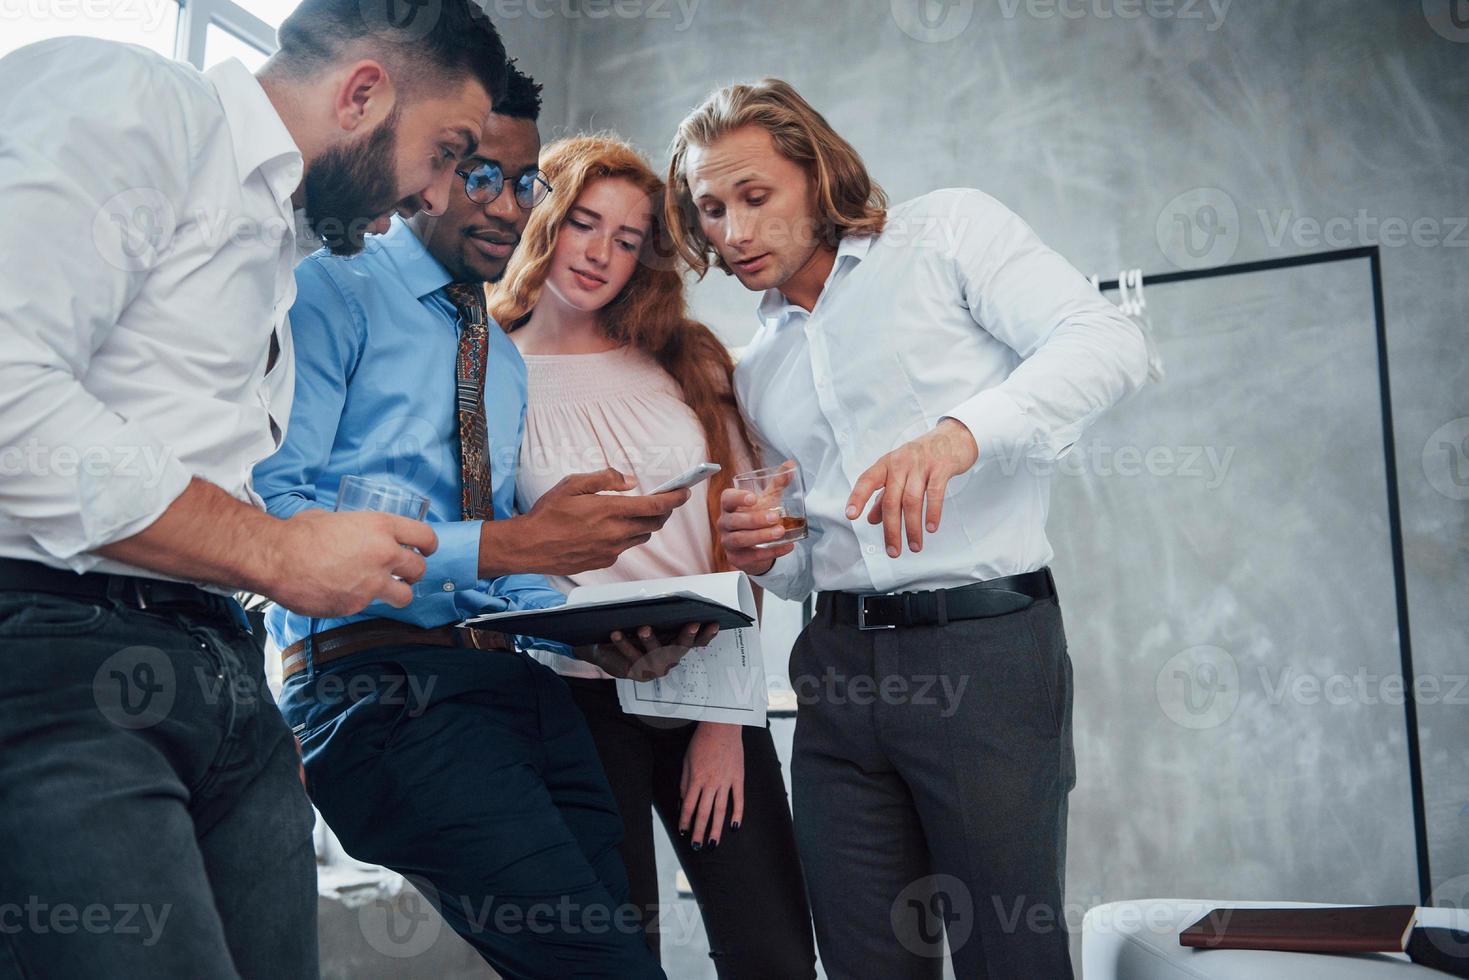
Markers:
(650, 313)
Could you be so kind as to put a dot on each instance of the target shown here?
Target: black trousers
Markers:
(473, 774)
(152, 820)
(930, 778)
(750, 890)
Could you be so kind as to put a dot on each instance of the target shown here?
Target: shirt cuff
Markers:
(1000, 428)
(789, 577)
(454, 565)
(529, 643)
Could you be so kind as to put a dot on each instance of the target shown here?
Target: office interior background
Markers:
(1263, 559)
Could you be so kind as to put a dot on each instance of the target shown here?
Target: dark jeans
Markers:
(749, 888)
(473, 774)
(152, 821)
(930, 774)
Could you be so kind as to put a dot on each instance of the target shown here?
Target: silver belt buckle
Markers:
(862, 614)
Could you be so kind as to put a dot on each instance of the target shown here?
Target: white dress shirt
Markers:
(957, 310)
(149, 242)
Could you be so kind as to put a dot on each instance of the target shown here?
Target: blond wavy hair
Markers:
(650, 313)
(848, 200)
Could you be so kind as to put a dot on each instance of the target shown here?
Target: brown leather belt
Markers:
(334, 644)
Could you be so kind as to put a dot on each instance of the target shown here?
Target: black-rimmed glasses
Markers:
(486, 181)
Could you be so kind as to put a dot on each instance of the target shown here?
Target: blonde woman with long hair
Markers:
(620, 376)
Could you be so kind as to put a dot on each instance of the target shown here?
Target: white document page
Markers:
(724, 681)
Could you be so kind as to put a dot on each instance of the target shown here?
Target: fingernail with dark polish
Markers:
(683, 833)
(734, 825)
(713, 844)
(696, 845)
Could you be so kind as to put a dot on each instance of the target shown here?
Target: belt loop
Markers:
(307, 648)
(826, 608)
(941, 603)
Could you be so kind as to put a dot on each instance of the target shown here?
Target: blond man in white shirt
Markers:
(922, 363)
(150, 805)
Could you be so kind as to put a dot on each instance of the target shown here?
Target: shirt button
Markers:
(871, 549)
(448, 586)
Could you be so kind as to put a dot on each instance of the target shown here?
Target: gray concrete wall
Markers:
(1231, 622)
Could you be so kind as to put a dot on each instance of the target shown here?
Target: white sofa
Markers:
(1138, 940)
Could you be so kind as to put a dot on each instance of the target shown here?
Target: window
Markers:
(270, 11)
(221, 45)
(152, 24)
(201, 32)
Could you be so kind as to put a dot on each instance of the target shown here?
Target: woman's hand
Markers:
(713, 783)
(650, 657)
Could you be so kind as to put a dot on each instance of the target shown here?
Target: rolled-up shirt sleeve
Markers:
(1079, 355)
(80, 237)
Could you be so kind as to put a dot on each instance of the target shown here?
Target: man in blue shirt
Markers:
(469, 769)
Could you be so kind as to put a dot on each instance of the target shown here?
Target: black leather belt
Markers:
(18, 575)
(937, 607)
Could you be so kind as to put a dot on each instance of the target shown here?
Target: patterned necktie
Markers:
(469, 385)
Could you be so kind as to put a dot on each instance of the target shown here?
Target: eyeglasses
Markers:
(486, 182)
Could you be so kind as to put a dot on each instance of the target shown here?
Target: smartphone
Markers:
(693, 477)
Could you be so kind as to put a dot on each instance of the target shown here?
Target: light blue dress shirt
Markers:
(376, 344)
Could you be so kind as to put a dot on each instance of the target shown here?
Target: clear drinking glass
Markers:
(779, 488)
(360, 493)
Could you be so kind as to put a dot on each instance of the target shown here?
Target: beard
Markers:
(350, 186)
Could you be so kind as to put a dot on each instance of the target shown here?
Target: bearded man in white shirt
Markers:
(925, 364)
(151, 810)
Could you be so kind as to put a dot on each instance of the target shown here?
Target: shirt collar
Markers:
(852, 250)
(419, 270)
(261, 140)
